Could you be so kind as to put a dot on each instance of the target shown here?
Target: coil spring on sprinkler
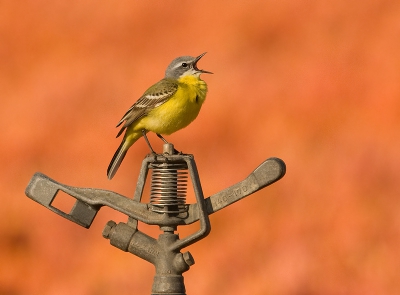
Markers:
(168, 187)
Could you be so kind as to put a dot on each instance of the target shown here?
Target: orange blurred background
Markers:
(315, 83)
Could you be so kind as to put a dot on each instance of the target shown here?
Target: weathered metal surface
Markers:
(43, 190)
(164, 211)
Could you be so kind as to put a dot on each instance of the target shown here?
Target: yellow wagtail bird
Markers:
(166, 107)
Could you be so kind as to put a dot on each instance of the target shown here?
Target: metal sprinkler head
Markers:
(167, 209)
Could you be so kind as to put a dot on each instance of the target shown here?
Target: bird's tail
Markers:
(120, 154)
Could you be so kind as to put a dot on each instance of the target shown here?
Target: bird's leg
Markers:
(162, 138)
(165, 141)
(147, 140)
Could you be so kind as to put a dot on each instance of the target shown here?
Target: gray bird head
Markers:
(184, 66)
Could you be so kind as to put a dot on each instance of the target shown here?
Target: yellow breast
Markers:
(180, 110)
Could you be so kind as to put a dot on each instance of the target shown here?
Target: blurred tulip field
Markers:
(315, 83)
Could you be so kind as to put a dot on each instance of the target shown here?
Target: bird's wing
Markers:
(155, 96)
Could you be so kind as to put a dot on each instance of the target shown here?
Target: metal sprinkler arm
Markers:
(43, 189)
(268, 172)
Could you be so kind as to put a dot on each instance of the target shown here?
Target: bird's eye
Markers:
(184, 64)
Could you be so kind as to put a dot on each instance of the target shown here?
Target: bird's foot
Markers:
(165, 141)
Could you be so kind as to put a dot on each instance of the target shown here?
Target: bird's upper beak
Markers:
(195, 64)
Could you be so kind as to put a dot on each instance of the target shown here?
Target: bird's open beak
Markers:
(195, 64)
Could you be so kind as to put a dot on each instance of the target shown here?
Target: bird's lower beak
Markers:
(195, 64)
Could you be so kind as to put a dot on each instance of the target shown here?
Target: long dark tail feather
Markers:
(116, 160)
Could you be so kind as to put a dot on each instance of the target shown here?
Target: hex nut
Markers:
(188, 258)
